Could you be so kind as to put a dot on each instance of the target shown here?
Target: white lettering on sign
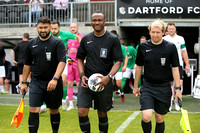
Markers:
(154, 1)
(157, 10)
(196, 10)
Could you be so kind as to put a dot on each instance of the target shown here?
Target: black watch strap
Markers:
(54, 78)
(110, 76)
(24, 82)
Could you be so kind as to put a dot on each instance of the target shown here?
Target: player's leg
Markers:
(53, 101)
(172, 97)
(64, 102)
(70, 79)
(35, 102)
(161, 107)
(103, 103)
(103, 121)
(7, 85)
(160, 125)
(147, 106)
(84, 102)
(55, 119)
(126, 74)
(77, 78)
(118, 79)
(2, 75)
(1, 85)
(70, 95)
(146, 120)
(33, 121)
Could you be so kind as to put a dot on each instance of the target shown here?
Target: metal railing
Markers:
(13, 15)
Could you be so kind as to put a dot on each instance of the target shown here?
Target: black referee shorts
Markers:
(156, 96)
(102, 100)
(39, 94)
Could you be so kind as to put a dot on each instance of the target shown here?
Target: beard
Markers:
(44, 35)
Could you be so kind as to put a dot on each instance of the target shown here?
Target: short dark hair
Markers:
(98, 11)
(55, 22)
(114, 32)
(171, 23)
(44, 19)
(26, 36)
(143, 37)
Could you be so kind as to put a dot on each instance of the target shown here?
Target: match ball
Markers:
(93, 79)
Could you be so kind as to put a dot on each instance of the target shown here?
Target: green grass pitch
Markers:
(120, 118)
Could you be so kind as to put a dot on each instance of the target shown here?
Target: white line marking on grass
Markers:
(127, 122)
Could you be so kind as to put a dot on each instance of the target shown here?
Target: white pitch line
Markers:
(127, 122)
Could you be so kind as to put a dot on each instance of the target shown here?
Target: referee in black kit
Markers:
(160, 61)
(45, 57)
(101, 48)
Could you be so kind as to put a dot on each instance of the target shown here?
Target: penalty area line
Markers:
(127, 122)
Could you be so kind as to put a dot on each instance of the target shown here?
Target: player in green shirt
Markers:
(131, 53)
(118, 76)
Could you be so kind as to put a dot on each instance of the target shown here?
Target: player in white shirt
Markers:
(181, 48)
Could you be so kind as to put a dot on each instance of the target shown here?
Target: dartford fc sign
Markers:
(158, 8)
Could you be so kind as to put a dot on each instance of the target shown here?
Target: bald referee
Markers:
(45, 57)
(160, 61)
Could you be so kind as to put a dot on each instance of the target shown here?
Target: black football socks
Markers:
(146, 127)
(84, 124)
(55, 122)
(160, 127)
(33, 122)
(103, 124)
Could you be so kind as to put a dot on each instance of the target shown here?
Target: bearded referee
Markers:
(160, 61)
(45, 57)
(101, 48)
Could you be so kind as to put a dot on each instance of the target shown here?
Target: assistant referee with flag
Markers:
(160, 61)
(45, 57)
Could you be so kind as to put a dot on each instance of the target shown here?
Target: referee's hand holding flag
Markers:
(184, 122)
(17, 118)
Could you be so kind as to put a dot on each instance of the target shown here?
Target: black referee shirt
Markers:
(100, 51)
(157, 60)
(44, 57)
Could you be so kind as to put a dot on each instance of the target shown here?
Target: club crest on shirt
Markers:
(163, 61)
(72, 44)
(103, 53)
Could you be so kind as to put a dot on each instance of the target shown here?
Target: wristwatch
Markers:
(54, 78)
(24, 82)
(110, 76)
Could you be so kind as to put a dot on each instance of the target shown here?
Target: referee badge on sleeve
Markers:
(103, 53)
(163, 61)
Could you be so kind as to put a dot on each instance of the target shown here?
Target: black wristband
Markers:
(24, 82)
(178, 88)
